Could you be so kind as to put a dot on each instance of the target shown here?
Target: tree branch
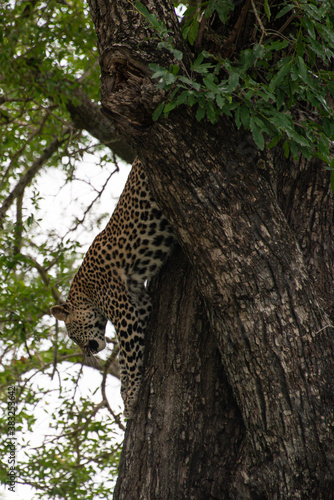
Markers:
(18, 225)
(31, 172)
(87, 115)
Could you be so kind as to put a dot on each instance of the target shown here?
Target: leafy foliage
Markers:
(263, 86)
(42, 56)
(48, 52)
(71, 458)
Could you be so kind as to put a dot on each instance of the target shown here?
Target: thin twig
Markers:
(55, 351)
(45, 277)
(107, 365)
(30, 137)
(80, 221)
(31, 172)
(264, 33)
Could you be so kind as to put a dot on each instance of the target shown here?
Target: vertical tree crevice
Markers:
(176, 454)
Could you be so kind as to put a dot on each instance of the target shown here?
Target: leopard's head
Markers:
(85, 325)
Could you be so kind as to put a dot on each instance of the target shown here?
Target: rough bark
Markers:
(306, 198)
(273, 337)
(185, 388)
(240, 231)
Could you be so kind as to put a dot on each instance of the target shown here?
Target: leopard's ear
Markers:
(60, 312)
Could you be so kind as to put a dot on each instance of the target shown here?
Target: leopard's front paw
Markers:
(128, 412)
(130, 402)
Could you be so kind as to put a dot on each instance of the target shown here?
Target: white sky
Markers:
(63, 202)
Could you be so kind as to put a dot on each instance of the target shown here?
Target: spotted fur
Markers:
(110, 284)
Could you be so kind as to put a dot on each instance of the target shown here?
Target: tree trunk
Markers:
(251, 239)
(187, 432)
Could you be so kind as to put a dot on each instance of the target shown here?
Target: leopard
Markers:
(111, 283)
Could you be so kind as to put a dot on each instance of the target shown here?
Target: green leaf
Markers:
(220, 101)
(237, 117)
(255, 126)
(258, 51)
(279, 77)
(183, 98)
(328, 126)
(310, 27)
(267, 9)
(157, 112)
(285, 10)
(200, 113)
(177, 54)
(294, 149)
(169, 107)
(159, 73)
(286, 149)
(323, 145)
(244, 115)
(326, 33)
(274, 141)
(191, 98)
(277, 45)
(199, 66)
(193, 31)
(190, 83)
(174, 92)
(312, 11)
(141, 8)
(332, 180)
(174, 69)
(198, 61)
(169, 78)
(223, 9)
(151, 18)
(233, 81)
(208, 82)
(294, 72)
(211, 112)
(303, 71)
